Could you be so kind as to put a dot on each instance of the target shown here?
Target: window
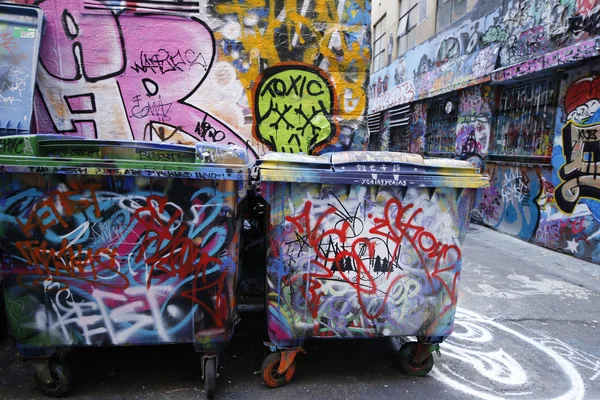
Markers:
(442, 117)
(379, 60)
(449, 11)
(407, 32)
(525, 124)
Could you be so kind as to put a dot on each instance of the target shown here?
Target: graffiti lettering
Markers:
(160, 156)
(163, 62)
(12, 145)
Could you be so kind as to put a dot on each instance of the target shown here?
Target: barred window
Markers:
(525, 123)
(442, 117)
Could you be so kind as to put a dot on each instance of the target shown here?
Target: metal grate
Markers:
(399, 124)
(374, 122)
(442, 117)
(526, 119)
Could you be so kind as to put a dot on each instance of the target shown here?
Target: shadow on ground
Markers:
(332, 368)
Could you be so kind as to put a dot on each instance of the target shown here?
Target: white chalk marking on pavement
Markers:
(576, 391)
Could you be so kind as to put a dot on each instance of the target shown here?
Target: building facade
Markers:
(511, 85)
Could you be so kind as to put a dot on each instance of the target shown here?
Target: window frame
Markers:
(408, 29)
(453, 18)
(379, 59)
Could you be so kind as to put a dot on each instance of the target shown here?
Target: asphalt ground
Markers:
(526, 328)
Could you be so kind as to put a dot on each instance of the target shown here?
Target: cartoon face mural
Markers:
(186, 75)
(580, 145)
(294, 107)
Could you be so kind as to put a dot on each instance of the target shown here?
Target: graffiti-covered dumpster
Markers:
(109, 243)
(363, 245)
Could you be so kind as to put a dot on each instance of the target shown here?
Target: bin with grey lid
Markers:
(119, 243)
(363, 245)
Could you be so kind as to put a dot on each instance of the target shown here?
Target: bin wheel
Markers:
(269, 371)
(61, 380)
(210, 377)
(405, 358)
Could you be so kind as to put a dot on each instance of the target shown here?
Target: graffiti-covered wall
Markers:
(417, 128)
(514, 202)
(536, 28)
(274, 75)
(527, 113)
(557, 206)
(498, 41)
(460, 57)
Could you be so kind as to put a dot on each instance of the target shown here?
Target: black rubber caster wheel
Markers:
(405, 359)
(61, 381)
(210, 377)
(269, 371)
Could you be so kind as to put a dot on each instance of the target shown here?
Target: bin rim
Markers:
(212, 161)
(374, 168)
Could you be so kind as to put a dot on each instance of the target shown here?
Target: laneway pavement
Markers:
(527, 328)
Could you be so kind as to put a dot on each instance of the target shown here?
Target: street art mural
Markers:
(580, 140)
(458, 58)
(575, 161)
(512, 202)
(474, 121)
(120, 71)
(94, 261)
(364, 261)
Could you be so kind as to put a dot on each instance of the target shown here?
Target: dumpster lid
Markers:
(23, 27)
(388, 157)
(372, 168)
(63, 154)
